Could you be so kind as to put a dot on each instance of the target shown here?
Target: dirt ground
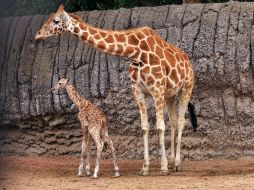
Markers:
(18, 173)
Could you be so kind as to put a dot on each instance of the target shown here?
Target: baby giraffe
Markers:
(94, 124)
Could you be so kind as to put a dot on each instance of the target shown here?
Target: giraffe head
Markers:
(61, 84)
(57, 23)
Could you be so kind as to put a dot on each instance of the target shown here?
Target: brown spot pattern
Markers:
(150, 80)
(144, 57)
(109, 39)
(151, 43)
(178, 57)
(153, 59)
(129, 50)
(133, 40)
(112, 47)
(159, 51)
(170, 58)
(119, 49)
(103, 34)
(140, 35)
(174, 76)
(156, 71)
(142, 75)
(121, 38)
(84, 36)
(97, 36)
(92, 31)
(76, 30)
(101, 45)
(144, 45)
(82, 26)
(146, 70)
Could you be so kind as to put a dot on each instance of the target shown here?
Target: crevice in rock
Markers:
(9, 87)
(251, 57)
(214, 41)
(30, 81)
(251, 48)
(4, 65)
(195, 37)
(251, 61)
(129, 20)
(182, 26)
(85, 17)
(166, 16)
(236, 49)
(53, 74)
(216, 29)
(226, 40)
(56, 77)
(95, 78)
(18, 62)
(4, 48)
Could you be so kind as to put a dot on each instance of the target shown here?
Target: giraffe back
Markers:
(92, 116)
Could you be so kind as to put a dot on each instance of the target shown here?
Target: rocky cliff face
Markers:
(219, 39)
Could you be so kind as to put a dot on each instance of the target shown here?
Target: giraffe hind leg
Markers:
(89, 142)
(109, 142)
(183, 104)
(170, 104)
(99, 145)
(83, 154)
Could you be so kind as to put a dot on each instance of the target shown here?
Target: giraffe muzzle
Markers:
(39, 37)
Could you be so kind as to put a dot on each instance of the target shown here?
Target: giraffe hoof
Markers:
(178, 168)
(144, 173)
(117, 174)
(94, 177)
(164, 172)
(80, 175)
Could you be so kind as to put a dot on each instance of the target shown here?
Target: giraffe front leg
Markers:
(173, 122)
(140, 98)
(183, 103)
(160, 126)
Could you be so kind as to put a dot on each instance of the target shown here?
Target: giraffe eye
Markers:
(56, 21)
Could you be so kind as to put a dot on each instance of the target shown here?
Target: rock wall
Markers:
(219, 39)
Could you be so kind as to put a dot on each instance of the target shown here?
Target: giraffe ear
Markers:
(60, 9)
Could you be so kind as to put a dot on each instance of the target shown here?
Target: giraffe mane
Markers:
(76, 17)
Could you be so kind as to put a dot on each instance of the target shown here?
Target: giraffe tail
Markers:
(193, 116)
(105, 137)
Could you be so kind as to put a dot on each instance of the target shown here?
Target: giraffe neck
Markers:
(107, 41)
(77, 99)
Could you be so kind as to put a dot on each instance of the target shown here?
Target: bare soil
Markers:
(18, 173)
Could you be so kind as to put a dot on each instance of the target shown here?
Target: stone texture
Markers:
(219, 39)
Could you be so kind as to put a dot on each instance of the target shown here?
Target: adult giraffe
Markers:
(157, 68)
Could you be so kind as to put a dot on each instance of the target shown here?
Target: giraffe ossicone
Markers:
(94, 126)
(157, 68)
